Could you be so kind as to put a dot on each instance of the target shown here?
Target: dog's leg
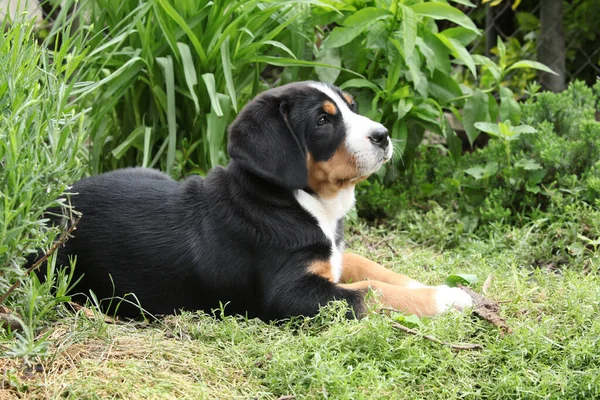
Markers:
(419, 301)
(356, 268)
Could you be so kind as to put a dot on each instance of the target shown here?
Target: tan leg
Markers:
(419, 301)
(356, 268)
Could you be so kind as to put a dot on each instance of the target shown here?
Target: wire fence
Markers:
(562, 35)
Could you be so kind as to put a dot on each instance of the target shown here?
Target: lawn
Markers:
(553, 352)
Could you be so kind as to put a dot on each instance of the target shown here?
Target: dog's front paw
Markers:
(448, 298)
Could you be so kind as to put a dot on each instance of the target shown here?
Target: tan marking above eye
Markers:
(349, 99)
(329, 108)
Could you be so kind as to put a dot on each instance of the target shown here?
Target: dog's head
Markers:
(308, 135)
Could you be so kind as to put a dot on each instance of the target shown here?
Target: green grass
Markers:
(554, 351)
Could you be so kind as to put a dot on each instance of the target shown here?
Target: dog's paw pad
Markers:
(452, 298)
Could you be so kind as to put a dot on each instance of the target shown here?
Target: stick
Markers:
(487, 309)
(436, 340)
(61, 240)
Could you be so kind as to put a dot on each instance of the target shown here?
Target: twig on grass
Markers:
(436, 340)
(61, 240)
(487, 309)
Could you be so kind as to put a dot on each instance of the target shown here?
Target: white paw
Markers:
(452, 298)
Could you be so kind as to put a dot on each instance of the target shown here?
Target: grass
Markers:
(554, 351)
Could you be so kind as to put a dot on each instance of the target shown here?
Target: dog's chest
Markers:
(328, 212)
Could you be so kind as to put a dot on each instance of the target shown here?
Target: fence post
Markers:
(551, 45)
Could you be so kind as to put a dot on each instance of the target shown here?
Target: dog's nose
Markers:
(379, 137)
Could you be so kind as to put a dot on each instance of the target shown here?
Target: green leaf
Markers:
(404, 107)
(489, 128)
(291, 62)
(528, 164)
(524, 129)
(410, 321)
(209, 80)
(189, 72)
(475, 110)
(509, 108)
(443, 87)
(228, 73)
(330, 57)
(167, 65)
(531, 64)
(118, 151)
(443, 11)
(459, 51)
(354, 25)
(360, 83)
(465, 3)
(464, 279)
(463, 35)
(184, 26)
(409, 29)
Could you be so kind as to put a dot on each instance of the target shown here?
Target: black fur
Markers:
(236, 237)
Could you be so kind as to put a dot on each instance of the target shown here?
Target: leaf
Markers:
(489, 128)
(404, 108)
(531, 64)
(524, 129)
(528, 164)
(227, 72)
(209, 80)
(463, 35)
(509, 108)
(168, 8)
(409, 29)
(475, 110)
(360, 83)
(444, 11)
(463, 279)
(330, 57)
(459, 51)
(475, 172)
(118, 151)
(443, 87)
(467, 3)
(354, 25)
(291, 62)
(189, 72)
(167, 65)
(410, 320)
(478, 172)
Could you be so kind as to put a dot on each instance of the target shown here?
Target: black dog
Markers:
(263, 236)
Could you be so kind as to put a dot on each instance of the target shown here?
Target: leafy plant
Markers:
(407, 64)
(170, 76)
(42, 151)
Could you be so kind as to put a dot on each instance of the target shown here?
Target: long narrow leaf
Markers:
(189, 71)
(227, 72)
(211, 88)
(167, 65)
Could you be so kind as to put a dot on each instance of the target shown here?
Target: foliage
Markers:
(172, 75)
(409, 82)
(544, 173)
(42, 136)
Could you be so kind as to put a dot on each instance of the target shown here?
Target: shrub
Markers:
(42, 138)
(172, 75)
(543, 173)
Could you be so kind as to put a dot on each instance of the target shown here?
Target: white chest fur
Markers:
(328, 212)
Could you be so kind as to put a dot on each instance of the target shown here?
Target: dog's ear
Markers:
(262, 142)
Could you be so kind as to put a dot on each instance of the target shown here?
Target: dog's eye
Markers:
(322, 121)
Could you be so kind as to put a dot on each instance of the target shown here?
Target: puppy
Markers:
(262, 236)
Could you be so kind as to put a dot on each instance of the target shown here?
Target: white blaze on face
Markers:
(369, 157)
